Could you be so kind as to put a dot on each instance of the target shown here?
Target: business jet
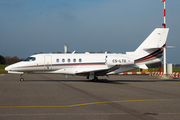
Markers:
(96, 64)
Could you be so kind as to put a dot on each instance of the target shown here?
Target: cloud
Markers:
(16, 4)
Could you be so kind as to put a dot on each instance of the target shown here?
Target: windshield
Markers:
(30, 59)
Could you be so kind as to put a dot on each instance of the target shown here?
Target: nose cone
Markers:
(8, 68)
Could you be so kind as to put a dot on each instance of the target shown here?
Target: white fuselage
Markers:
(71, 63)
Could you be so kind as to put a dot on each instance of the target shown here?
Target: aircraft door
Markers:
(48, 62)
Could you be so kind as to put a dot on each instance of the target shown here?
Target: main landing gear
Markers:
(21, 79)
(92, 77)
(95, 79)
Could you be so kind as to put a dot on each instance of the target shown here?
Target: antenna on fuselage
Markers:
(73, 52)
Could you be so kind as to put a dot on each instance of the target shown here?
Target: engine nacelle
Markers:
(115, 60)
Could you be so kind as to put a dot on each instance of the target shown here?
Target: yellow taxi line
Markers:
(92, 103)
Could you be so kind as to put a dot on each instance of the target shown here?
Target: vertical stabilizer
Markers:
(152, 47)
(156, 39)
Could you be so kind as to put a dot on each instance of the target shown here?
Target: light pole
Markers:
(164, 24)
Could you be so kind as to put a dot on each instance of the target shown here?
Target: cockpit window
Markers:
(30, 59)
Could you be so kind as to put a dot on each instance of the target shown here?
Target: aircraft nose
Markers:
(8, 68)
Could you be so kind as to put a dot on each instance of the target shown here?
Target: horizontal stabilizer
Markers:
(170, 47)
(155, 48)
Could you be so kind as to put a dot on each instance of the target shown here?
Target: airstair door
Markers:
(48, 62)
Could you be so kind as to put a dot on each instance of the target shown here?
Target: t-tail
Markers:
(150, 51)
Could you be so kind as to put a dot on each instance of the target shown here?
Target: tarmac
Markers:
(124, 97)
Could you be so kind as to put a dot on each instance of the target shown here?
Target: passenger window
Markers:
(69, 60)
(74, 60)
(57, 60)
(80, 60)
(63, 60)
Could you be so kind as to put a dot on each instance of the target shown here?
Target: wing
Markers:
(97, 72)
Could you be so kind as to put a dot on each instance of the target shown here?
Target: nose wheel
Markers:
(21, 79)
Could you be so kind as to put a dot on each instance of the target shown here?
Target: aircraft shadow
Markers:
(106, 81)
(85, 81)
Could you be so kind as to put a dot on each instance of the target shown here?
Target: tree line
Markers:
(9, 60)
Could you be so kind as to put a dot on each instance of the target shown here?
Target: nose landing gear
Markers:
(21, 79)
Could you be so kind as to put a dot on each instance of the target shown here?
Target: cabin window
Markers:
(30, 59)
(69, 60)
(74, 60)
(80, 60)
(63, 60)
(57, 60)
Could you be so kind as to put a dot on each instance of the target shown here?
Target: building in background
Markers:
(65, 48)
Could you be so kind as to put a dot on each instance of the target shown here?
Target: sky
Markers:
(119, 26)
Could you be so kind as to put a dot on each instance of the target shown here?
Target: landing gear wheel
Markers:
(21, 80)
(95, 79)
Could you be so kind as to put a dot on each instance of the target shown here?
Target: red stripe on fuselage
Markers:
(70, 64)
